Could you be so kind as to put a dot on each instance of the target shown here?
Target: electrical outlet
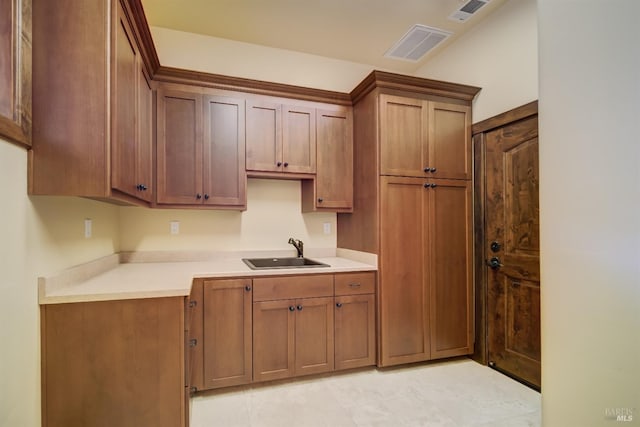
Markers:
(175, 227)
(326, 228)
(88, 225)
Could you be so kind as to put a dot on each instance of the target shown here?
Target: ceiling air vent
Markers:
(467, 10)
(416, 43)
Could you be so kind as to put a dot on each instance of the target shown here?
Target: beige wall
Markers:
(231, 58)
(589, 210)
(39, 236)
(272, 216)
(499, 55)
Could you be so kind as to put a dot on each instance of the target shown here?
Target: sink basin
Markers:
(268, 263)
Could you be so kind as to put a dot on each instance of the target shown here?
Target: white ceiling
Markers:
(353, 30)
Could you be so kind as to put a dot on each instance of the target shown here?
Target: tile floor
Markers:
(456, 393)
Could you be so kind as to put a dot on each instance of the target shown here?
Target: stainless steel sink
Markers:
(269, 263)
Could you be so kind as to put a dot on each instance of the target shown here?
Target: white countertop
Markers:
(165, 279)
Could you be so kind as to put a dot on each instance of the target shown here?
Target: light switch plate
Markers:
(326, 228)
(88, 225)
(175, 227)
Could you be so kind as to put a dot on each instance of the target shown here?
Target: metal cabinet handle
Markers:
(292, 308)
(198, 196)
(338, 304)
(247, 288)
(193, 304)
(193, 342)
(299, 308)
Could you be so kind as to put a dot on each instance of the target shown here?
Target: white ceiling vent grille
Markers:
(416, 43)
(467, 10)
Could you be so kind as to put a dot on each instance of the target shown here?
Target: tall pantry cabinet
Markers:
(413, 208)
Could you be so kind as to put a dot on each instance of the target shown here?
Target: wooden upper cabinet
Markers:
(449, 141)
(179, 147)
(92, 103)
(225, 180)
(424, 138)
(280, 138)
(332, 190)
(264, 136)
(129, 151)
(15, 71)
(298, 139)
(403, 136)
(144, 154)
(200, 149)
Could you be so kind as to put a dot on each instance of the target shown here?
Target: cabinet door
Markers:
(225, 182)
(355, 339)
(334, 179)
(144, 155)
(403, 136)
(124, 135)
(404, 293)
(450, 270)
(314, 336)
(227, 332)
(264, 136)
(114, 363)
(273, 339)
(179, 147)
(298, 140)
(449, 140)
(15, 70)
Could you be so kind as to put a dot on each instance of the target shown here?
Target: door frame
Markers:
(479, 131)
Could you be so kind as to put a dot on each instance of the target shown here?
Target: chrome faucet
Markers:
(298, 245)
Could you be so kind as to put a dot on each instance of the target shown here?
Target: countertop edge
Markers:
(78, 285)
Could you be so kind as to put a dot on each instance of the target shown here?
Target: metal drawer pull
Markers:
(354, 285)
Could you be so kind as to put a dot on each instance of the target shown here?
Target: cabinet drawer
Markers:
(355, 283)
(274, 288)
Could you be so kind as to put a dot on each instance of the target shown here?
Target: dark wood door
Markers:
(227, 332)
(513, 246)
(404, 291)
(179, 150)
(450, 272)
(334, 178)
(225, 182)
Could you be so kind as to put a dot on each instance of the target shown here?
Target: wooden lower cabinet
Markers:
(292, 337)
(355, 327)
(114, 363)
(425, 268)
(227, 328)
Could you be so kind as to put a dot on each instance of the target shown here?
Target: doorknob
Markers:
(494, 263)
(495, 246)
